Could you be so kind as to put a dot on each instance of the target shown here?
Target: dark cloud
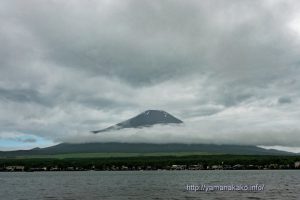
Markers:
(22, 95)
(68, 67)
(284, 100)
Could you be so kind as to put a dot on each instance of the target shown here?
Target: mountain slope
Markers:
(66, 148)
(145, 119)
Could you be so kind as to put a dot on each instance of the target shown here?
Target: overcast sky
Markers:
(228, 69)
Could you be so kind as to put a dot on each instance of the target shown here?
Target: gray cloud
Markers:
(28, 140)
(69, 67)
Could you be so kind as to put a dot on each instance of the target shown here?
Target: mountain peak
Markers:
(145, 119)
(155, 112)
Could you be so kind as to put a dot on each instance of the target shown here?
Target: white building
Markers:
(297, 165)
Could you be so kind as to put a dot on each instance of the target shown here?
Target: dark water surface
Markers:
(93, 185)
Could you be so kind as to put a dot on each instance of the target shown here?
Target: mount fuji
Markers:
(145, 119)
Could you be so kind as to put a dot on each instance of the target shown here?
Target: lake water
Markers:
(141, 185)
